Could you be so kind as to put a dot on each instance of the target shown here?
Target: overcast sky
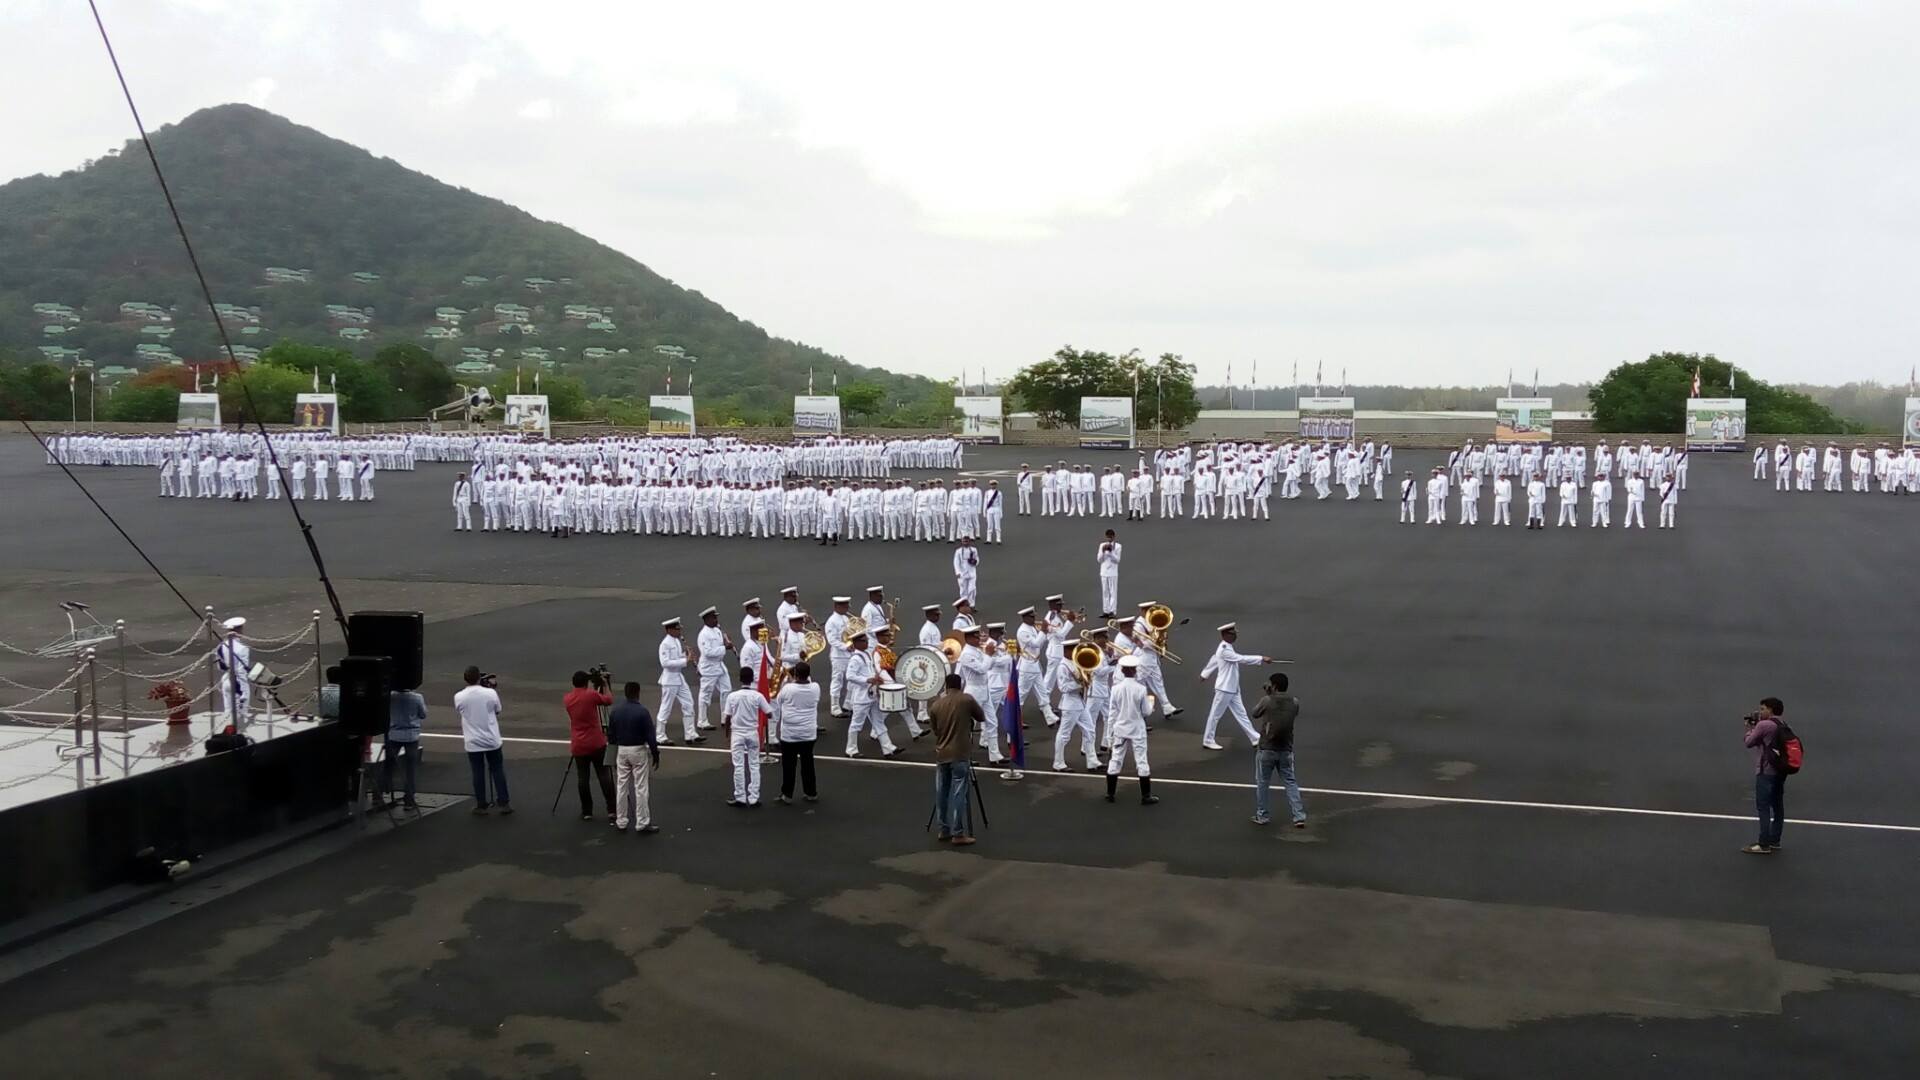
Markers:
(1416, 193)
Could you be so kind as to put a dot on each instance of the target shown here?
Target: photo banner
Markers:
(670, 414)
(981, 420)
(1523, 419)
(1326, 418)
(1717, 423)
(1910, 429)
(1106, 423)
(199, 411)
(816, 416)
(317, 412)
(528, 414)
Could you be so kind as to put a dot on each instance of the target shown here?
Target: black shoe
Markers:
(696, 740)
(505, 809)
(647, 829)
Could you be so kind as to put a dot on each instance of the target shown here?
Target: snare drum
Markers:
(893, 698)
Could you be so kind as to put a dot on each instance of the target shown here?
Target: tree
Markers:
(420, 382)
(1052, 388)
(366, 391)
(157, 403)
(566, 396)
(1651, 396)
(270, 390)
(862, 399)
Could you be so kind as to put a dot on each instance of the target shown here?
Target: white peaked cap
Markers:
(1224, 627)
(235, 623)
(675, 621)
(710, 611)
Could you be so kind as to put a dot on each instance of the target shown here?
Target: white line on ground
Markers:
(1456, 800)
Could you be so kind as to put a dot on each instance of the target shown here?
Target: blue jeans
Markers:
(1770, 801)
(1265, 764)
(483, 762)
(952, 798)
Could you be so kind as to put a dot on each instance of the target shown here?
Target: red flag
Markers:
(762, 686)
(1696, 382)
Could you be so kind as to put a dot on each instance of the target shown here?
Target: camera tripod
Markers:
(601, 679)
(973, 779)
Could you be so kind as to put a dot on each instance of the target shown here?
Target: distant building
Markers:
(602, 325)
(117, 371)
(245, 352)
(346, 313)
(474, 367)
(140, 309)
(253, 329)
(449, 315)
(512, 312)
(365, 277)
(534, 353)
(442, 333)
(60, 354)
(595, 352)
(474, 281)
(54, 329)
(152, 353)
(472, 353)
(49, 310)
(234, 313)
(538, 284)
(284, 275)
(582, 312)
(161, 332)
(354, 333)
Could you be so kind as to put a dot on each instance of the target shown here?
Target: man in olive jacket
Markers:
(1276, 713)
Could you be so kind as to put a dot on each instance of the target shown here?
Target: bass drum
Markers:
(922, 670)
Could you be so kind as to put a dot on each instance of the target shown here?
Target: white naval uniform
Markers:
(741, 711)
(711, 642)
(673, 688)
(835, 629)
(1033, 673)
(1224, 668)
(1107, 556)
(1127, 726)
(860, 702)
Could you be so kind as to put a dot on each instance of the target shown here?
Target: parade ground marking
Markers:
(1046, 772)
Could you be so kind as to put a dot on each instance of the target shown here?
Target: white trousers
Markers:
(1074, 717)
(744, 749)
(1156, 683)
(837, 683)
(1033, 685)
(1224, 702)
(674, 695)
(712, 688)
(632, 775)
(1110, 593)
(866, 715)
(1137, 745)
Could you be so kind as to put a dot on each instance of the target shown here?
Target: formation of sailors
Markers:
(1892, 468)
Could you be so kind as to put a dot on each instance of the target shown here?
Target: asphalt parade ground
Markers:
(1525, 787)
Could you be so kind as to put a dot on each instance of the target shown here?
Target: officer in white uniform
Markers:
(715, 683)
(1107, 559)
(673, 685)
(1033, 644)
(966, 569)
(862, 676)
(234, 658)
(974, 670)
(1223, 667)
(1128, 731)
(835, 629)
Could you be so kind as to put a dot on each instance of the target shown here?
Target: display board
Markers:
(317, 412)
(199, 410)
(1523, 419)
(1106, 423)
(1326, 418)
(528, 414)
(815, 416)
(670, 414)
(981, 419)
(1716, 423)
(1910, 429)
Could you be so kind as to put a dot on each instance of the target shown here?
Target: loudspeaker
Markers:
(398, 635)
(365, 682)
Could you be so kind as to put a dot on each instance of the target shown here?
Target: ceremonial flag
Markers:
(1010, 721)
(216, 379)
(536, 382)
(809, 382)
(689, 381)
(333, 379)
(762, 686)
(1343, 381)
(836, 378)
(1733, 381)
(1229, 384)
(1319, 371)
(316, 380)
(1536, 382)
(1696, 382)
(1509, 382)
(196, 380)
(1910, 372)
(516, 380)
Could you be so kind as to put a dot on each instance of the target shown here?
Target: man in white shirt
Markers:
(966, 569)
(993, 510)
(796, 724)
(479, 709)
(1127, 731)
(1223, 667)
(862, 676)
(974, 671)
(1502, 500)
(713, 647)
(1569, 503)
(1408, 488)
(1601, 501)
(1437, 497)
(673, 685)
(1107, 558)
(1536, 503)
(835, 630)
(1033, 643)
(1023, 484)
(740, 716)
(1636, 503)
(1670, 499)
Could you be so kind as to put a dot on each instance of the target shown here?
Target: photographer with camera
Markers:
(586, 741)
(478, 706)
(1767, 736)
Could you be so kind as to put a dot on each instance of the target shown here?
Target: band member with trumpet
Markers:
(1058, 623)
(1000, 660)
(713, 646)
(837, 651)
(1152, 645)
(793, 642)
(1223, 667)
(1107, 557)
(966, 569)
(673, 685)
(863, 677)
(1034, 643)
(974, 671)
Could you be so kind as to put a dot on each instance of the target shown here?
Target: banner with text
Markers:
(1910, 431)
(1326, 418)
(199, 410)
(317, 412)
(1716, 423)
(670, 414)
(1523, 419)
(815, 416)
(980, 419)
(1106, 423)
(528, 414)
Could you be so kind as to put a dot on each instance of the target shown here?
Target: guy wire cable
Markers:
(219, 325)
(198, 614)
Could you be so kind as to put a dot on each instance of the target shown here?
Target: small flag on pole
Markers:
(536, 382)
(1733, 380)
(1509, 382)
(836, 378)
(1696, 381)
(316, 380)
(1536, 382)
(809, 382)
(1010, 721)
(216, 380)
(333, 380)
(196, 380)
(1343, 381)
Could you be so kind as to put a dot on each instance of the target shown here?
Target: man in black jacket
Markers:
(1276, 713)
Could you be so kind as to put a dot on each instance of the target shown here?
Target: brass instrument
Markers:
(812, 644)
(952, 644)
(884, 657)
(855, 627)
(776, 671)
(1159, 620)
(1086, 658)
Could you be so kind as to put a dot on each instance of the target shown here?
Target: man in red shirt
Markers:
(587, 743)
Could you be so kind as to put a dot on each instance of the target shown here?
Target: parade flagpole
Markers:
(1509, 382)
(316, 380)
(1536, 382)
(1253, 387)
(1229, 386)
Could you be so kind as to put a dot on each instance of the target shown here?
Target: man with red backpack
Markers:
(1776, 756)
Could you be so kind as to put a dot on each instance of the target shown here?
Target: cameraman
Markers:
(586, 742)
(1769, 784)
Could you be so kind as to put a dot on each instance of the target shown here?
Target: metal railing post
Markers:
(213, 675)
(319, 676)
(93, 706)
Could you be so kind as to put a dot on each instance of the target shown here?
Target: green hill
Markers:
(311, 239)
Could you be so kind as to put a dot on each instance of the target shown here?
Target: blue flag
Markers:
(1010, 721)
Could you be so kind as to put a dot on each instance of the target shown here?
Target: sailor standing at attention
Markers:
(462, 504)
(1408, 488)
(1107, 559)
(1223, 667)
(835, 629)
(1024, 485)
(673, 684)
(713, 647)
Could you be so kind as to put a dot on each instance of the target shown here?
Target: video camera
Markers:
(490, 680)
(600, 676)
